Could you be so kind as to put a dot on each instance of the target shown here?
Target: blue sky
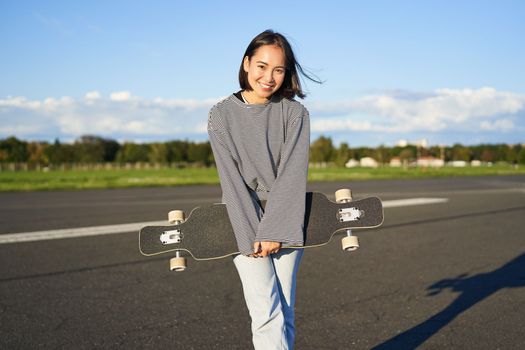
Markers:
(447, 71)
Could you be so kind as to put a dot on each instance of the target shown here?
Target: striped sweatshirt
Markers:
(261, 153)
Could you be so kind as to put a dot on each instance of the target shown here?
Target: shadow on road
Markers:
(473, 289)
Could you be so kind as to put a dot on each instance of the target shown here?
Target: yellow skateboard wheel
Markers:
(343, 195)
(176, 216)
(178, 264)
(350, 243)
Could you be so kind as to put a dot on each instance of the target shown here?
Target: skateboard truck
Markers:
(349, 214)
(350, 242)
(171, 236)
(176, 217)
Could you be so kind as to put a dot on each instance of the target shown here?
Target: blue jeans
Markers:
(269, 289)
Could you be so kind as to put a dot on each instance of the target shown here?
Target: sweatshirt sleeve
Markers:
(244, 211)
(283, 218)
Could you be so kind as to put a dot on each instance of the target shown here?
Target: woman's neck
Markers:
(250, 98)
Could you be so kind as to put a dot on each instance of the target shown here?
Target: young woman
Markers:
(260, 138)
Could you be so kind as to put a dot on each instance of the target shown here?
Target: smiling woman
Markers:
(260, 140)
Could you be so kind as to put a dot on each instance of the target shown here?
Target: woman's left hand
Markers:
(263, 249)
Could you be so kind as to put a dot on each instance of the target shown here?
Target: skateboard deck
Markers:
(208, 234)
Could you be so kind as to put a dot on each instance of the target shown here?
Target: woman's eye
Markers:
(279, 71)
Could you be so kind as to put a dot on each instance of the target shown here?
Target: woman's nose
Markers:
(268, 76)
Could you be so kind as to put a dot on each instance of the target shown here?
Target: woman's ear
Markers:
(246, 64)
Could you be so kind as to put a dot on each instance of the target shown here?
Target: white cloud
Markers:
(120, 96)
(93, 95)
(20, 102)
(51, 104)
(187, 104)
(122, 115)
(71, 125)
(503, 125)
(201, 128)
(18, 129)
(324, 125)
(443, 109)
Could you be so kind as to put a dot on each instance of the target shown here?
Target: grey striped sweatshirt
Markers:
(261, 152)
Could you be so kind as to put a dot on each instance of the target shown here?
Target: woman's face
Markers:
(265, 70)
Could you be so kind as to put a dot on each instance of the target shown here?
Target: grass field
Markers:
(121, 178)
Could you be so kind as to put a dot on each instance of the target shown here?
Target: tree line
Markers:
(323, 150)
(95, 149)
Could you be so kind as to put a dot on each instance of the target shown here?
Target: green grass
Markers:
(122, 178)
(333, 174)
(117, 178)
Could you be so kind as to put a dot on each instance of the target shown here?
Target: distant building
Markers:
(352, 163)
(368, 162)
(475, 163)
(395, 162)
(430, 162)
(458, 163)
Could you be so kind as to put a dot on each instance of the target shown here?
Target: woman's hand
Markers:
(263, 249)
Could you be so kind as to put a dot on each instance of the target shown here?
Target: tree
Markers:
(487, 156)
(342, 154)
(14, 150)
(199, 153)
(60, 153)
(111, 148)
(37, 152)
(158, 153)
(89, 149)
(460, 152)
(406, 155)
(177, 151)
(132, 153)
(3, 155)
(95, 149)
(521, 156)
(321, 150)
(381, 155)
(511, 154)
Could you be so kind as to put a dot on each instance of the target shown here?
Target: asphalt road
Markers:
(445, 275)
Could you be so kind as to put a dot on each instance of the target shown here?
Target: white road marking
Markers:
(412, 201)
(136, 226)
(76, 232)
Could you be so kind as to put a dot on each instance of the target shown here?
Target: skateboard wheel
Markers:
(343, 195)
(176, 216)
(178, 264)
(350, 243)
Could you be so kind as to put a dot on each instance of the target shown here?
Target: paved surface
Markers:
(444, 275)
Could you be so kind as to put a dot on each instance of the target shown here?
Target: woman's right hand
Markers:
(263, 249)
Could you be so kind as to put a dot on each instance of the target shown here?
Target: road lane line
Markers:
(131, 227)
(75, 232)
(412, 201)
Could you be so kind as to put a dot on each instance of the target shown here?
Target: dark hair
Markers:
(291, 85)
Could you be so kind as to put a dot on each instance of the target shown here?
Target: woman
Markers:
(260, 138)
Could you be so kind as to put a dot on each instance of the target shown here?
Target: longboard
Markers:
(207, 233)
